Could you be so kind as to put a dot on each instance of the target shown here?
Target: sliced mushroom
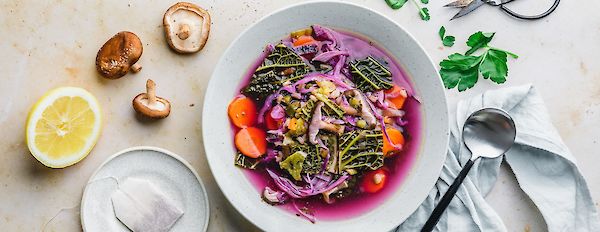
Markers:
(150, 105)
(186, 27)
(116, 57)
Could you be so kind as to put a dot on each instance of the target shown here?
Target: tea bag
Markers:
(142, 207)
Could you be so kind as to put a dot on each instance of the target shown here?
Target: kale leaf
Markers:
(369, 75)
(313, 162)
(281, 66)
(245, 161)
(361, 149)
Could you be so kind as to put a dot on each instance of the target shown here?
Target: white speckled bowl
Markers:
(242, 53)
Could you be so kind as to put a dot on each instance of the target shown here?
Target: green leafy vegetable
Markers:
(462, 71)
(331, 106)
(313, 162)
(478, 40)
(270, 75)
(361, 149)
(369, 75)
(293, 164)
(448, 41)
(424, 13)
(245, 161)
(396, 4)
(425, 1)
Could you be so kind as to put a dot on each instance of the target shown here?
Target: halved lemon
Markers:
(63, 126)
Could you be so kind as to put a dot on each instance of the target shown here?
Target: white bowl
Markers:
(243, 52)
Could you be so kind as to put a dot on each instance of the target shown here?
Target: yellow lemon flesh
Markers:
(63, 126)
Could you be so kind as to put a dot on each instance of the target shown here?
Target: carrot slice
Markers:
(251, 141)
(396, 138)
(304, 39)
(397, 96)
(242, 112)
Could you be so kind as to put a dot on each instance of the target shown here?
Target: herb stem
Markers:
(507, 52)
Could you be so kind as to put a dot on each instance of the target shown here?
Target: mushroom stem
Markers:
(150, 91)
(184, 31)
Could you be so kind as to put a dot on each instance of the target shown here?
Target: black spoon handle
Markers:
(443, 204)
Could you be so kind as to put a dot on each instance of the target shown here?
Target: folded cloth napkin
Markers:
(544, 167)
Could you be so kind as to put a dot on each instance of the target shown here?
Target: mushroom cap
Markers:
(192, 21)
(118, 54)
(160, 109)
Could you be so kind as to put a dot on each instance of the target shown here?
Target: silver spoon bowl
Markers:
(487, 133)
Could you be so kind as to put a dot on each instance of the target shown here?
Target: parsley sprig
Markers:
(423, 11)
(462, 71)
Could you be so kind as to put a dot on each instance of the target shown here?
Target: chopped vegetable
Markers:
(397, 96)
(463, 70)
(301, 32)
(361, 150)
(374, 181)
(396, 137)
(268, 77)
(293, 164)
(246, 162)
(272, 123)
(369, 75)
(303, 40)
(251, 141)
(242, 112)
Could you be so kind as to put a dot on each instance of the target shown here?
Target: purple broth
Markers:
(398, 166)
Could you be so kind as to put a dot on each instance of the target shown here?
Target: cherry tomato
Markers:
(374, 181)
(271, 123)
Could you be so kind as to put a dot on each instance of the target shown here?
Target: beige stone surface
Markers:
(47, 44)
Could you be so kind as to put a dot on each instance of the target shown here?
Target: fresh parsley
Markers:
(423, 11)
(462, 71)
(448, 41)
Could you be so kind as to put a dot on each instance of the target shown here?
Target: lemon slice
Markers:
(63, 126)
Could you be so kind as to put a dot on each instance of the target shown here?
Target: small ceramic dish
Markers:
(169, 172)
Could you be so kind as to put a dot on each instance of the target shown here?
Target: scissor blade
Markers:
(459, 3)
(468, 9)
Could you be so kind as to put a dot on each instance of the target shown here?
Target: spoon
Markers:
(487, 133)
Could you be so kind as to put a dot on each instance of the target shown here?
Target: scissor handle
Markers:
(525, 17)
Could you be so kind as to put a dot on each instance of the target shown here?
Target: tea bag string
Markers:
(78, 206)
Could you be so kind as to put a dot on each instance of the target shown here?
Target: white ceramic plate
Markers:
(242, 53)
(173, 175)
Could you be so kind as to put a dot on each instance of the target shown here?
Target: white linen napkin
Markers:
(544, 167)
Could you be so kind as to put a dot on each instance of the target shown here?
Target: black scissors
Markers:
(467, 6)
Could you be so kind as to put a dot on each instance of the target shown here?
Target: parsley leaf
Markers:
(424, 13)
(462, 71)
(395, 4)
(494, 66)
(448, 41)
(478, 40)
(442, 32)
